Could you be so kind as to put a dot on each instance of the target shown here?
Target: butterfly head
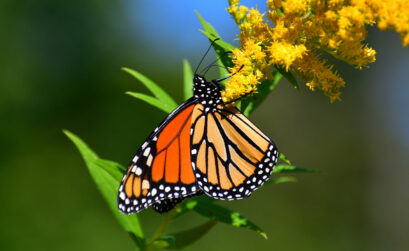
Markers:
(207, 93)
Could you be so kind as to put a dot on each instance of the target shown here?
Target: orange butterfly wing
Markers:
(161, 171)
(230, 155)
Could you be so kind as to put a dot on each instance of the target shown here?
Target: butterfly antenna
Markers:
(206, 54)
(212, 64)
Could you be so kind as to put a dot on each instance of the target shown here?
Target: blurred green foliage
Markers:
(60, 68)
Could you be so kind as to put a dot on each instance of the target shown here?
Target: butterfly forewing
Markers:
(230, 155)
(161, 168)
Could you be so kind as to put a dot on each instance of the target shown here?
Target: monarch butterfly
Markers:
(203, 146)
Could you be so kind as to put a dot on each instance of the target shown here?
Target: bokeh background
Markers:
(60, 69)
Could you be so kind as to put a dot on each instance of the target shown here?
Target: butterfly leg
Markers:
(217, 81)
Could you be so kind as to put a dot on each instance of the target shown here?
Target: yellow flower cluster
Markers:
(291, 34)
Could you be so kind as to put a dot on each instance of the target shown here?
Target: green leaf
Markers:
(281, 168)
(290, 77)
(281, 179)
(159, 93)
(153, 101)
(184, 238)
(212, 211)
(114, 169)
(107, 176)
(221, 47)
(188, 205)
(282, 157)
(248, 105)
(187, 80)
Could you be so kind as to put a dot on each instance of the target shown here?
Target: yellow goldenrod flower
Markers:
(285, 54)
(291, 33)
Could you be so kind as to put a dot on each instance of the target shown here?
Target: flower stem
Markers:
(161, 229)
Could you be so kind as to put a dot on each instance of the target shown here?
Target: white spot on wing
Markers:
(122, 196)
(147, 151)
(145, 184)
(149, 161)
(138, 171)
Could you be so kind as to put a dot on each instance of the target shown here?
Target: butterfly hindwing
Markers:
(161, 168)
(231, 157)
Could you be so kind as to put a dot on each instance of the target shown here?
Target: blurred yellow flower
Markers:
(291, 34)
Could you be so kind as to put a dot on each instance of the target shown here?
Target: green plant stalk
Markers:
(166, 219)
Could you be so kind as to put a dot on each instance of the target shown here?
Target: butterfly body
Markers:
(206, 93)
(203, 146)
